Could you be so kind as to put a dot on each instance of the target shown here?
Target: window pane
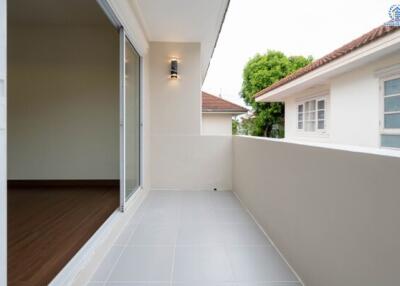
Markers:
(321, 104)
(321, 124)
(312, 115)
(390, 141)
(300, 108)
(310, 126)
(312, 105)
(392, 104)
(321, 114)
(392, 86)
(300, 125)
(392, 120)
(300, 116)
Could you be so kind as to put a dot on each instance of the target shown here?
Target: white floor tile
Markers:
(106, 265)
(154, 234)
(232, 216)
(243, 234)
(126, 234)
(136, 284)
(200, 234)
(198, 215)
(270, 284)
(258, 264)
(196, 239)
(142, 264)
(225, 200)
(162, 216)
(205, 284)
(202, 264)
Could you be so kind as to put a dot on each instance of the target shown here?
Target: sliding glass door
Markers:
(130, 119)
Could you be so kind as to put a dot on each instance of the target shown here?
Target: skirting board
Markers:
(61, 183)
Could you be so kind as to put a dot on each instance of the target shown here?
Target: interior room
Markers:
(63, 132)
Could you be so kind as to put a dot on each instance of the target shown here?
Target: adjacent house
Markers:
(350, 96)
(217, 114)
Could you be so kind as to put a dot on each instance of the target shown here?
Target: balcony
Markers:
(329, 213)
(193, 238)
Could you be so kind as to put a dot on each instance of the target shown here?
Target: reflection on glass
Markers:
(132, 119)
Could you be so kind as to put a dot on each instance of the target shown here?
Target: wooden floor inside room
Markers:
(48, 225)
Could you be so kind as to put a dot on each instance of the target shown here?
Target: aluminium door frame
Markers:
(123, 36)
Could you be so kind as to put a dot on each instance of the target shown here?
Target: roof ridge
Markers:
(220, 98)
(230, 106)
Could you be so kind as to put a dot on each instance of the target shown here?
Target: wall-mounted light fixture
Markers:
(174, 69)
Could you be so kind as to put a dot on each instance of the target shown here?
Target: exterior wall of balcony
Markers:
(181, 158)
(334, 214)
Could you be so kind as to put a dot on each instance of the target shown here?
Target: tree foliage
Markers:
(260, 72)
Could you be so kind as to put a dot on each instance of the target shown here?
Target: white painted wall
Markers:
(3, 143)
(191, 163)
(175, 104)
(216, 124)
(180, 157)
(334, 214)
(353, 110)
(146, 117)
(63, 103)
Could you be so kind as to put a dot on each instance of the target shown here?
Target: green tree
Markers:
(235, 126)
(260, 72)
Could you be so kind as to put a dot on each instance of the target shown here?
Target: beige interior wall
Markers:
(63, 102)
(333, 214)
(3, 142)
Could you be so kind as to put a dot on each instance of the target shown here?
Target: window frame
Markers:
(302, 102)
(383, 130)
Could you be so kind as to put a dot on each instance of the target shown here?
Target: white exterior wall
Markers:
(3, 144)
(216, 124)
(191, 163)
(353, 109)
(63, 119)
(175, 104)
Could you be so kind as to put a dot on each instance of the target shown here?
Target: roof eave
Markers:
(224, 112)
(363, 55)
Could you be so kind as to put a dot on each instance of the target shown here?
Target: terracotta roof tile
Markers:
(212, 103)
(365, 39)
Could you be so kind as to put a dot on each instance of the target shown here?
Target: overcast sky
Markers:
(306, 27)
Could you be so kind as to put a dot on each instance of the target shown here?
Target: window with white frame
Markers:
(311, 115)
(390, 136)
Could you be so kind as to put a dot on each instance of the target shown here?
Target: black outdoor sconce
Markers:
(174, 69)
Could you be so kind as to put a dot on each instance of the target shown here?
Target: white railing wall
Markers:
(191, 162)
(334, 214)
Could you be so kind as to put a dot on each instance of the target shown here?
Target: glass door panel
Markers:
(132, 120)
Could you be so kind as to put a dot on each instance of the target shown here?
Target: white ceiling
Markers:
(183, 21)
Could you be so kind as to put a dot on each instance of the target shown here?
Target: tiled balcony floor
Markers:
(192, 238)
